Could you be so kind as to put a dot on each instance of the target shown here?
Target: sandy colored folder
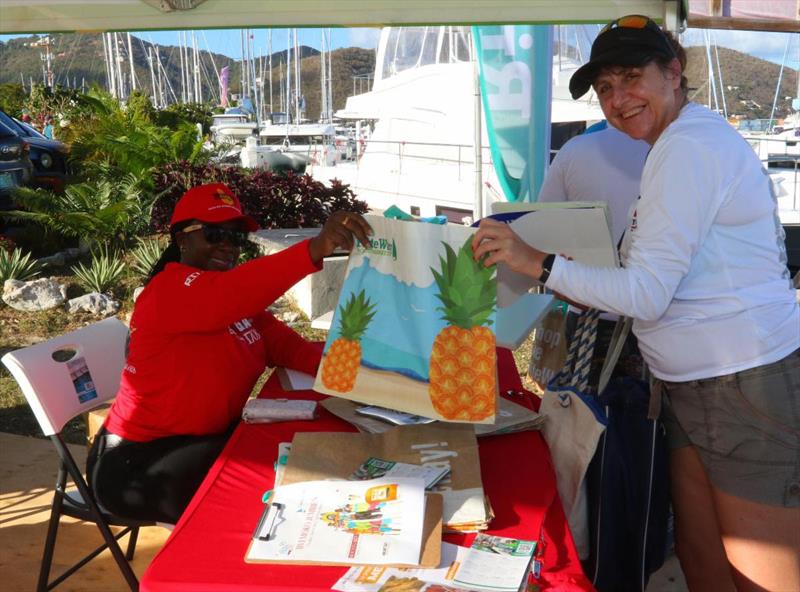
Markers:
(335, 455)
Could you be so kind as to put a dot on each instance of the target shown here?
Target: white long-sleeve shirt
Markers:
(705, 274)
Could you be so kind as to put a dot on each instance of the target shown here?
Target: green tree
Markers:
(12, 98)
(112, 140)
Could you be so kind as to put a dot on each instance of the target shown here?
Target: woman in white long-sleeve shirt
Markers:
(706, 282)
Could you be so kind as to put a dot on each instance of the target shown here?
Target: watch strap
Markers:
(547, 267)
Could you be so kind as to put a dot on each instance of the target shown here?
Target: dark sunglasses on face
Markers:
(218, 234)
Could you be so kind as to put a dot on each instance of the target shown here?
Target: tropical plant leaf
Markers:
(103, 273)
(15, 265)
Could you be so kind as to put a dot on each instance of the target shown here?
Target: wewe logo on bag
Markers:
(379, 246)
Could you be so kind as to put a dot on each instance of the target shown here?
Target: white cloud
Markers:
(364, 37)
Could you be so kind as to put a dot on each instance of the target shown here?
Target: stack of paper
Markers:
(492, 563)
(337, 455)
(510, 417)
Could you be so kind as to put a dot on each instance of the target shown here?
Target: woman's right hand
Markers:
(338, 233)
(498, 243)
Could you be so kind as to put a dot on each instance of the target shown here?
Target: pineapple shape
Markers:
(341, 363)
(462, 371)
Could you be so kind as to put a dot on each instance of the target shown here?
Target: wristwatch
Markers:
(547, 267)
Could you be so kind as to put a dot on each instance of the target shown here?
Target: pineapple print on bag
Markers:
(462, 369)
(343, 358)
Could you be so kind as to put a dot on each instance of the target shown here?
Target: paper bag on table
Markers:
(414, 329)
(327, 455)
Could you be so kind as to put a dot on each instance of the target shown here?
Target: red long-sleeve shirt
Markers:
(199, 342)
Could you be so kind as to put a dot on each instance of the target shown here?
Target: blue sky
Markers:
(769, 46)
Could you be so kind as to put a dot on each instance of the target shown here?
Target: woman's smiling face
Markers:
(640, 101)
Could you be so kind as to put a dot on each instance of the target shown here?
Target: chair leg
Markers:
(132, 537)
(89, 500)
(52, 530)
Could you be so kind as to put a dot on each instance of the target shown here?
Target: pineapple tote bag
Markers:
(414, 326)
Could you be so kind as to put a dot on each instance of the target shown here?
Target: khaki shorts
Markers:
(745, 426)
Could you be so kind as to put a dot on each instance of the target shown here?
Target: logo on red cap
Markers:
(224, 197)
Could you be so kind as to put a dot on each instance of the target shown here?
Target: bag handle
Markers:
(586, 341)
(575, 371)
(618, 338)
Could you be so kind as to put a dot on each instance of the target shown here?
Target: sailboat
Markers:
(284, 139)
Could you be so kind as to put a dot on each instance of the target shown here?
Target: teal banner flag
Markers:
(516, 63)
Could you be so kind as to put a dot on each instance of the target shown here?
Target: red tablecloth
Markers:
(205, 552)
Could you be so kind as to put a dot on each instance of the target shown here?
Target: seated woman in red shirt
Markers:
(200, 337)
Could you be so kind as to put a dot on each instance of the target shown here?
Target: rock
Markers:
(57, 260)
(136, 292)
(289, 317)
(41, 294)
(95, 303)
(72, 253)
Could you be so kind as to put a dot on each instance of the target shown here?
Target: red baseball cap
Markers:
(213, 203)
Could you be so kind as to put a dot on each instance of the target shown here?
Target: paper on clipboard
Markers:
(375, 522)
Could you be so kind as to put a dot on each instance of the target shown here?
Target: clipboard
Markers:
(430, 555)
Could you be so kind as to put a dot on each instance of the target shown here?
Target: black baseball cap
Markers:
(631, 40)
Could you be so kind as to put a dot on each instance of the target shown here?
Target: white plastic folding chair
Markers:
(62, 378)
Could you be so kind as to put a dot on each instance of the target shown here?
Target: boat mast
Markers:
(130, 59)
(778, 86)
(297, 86)
(269, 49)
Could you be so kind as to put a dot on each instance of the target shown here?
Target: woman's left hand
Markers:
(499, 243)
(339, 232)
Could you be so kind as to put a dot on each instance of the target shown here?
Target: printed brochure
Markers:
(504, 567)
(377, 467)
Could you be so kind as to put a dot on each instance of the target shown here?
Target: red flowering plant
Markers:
(275, 200)
(7, 244)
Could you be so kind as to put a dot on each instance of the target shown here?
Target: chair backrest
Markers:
(70, 374)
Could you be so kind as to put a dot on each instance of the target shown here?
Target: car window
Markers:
(16, 127)
(5, 131)
(31, 131)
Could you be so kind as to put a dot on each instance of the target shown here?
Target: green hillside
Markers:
(78, 62)
(749, 83)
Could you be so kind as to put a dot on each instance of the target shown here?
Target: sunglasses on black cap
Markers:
(217, 234)
(632, 21)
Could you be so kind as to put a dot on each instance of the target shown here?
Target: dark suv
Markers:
(49, 157)
(15, 165)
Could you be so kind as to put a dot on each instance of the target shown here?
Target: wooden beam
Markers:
(744, 24)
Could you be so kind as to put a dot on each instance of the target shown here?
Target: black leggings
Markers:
(150, 480)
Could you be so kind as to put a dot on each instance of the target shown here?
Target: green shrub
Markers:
(96, 212)
(16, 266)
(103, 274)
(146, 255)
